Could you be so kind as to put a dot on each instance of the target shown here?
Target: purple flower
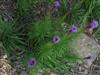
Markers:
(94, 24)
(32, 62)
(56, 39)
(56, 5)
(73, 29)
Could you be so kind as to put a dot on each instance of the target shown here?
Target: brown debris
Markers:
(5, 68)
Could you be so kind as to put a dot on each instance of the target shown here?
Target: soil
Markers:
(7, 9)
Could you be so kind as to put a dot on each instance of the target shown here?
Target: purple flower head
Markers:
(57, 5)
(32, 62)
(73, 29)
(94, 24)
(56, 39)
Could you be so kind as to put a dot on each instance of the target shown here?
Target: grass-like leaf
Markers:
(9, 37)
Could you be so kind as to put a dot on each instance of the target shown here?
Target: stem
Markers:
(88, 13)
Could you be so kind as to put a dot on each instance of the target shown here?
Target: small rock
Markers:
(40, 72)
(53, 73)
(23, 73)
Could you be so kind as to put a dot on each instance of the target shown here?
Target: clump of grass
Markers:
(9, 36)
(47, 53)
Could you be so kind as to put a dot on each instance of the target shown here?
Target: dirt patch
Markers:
(5, 68)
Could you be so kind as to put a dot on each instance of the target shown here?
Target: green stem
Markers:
(88, 13)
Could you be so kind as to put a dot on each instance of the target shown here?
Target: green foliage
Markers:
(80, 11)
(9, 37)
(24, 5)
(96, 10)
(97, 33)
(52, 55)
(41, 31)
(48, 54)
(41, 28)
(96, 14)
(75, 12)
(55, 56)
